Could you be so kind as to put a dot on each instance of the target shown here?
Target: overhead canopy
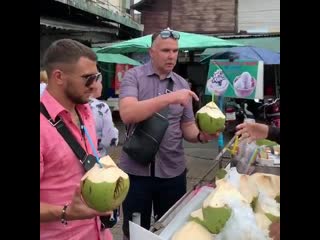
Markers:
(187, 41)
(115, 58)
(270, 43)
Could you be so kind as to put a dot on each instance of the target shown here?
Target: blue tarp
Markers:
(248, 52)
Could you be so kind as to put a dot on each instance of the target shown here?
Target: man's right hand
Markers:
(78, 209)
(183, 97)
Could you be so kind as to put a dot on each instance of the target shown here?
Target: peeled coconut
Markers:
(210, 119)
(197, 216)
(221, 173)
(242, 224)
(216, 207)
(267, 183)
(263, 222)
(192, 231)
(244, 183)
(268, 206)
(104, 189)
(248, 189)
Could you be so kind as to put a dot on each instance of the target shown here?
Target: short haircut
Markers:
(154, 36)
(66, 51)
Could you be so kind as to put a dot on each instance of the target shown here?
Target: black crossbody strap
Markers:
(163, 112)
(66, 134)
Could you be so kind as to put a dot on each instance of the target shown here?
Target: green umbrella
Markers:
(115, 58)
(187, 41)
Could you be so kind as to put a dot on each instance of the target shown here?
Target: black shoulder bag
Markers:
(143, 143)
(87, 160)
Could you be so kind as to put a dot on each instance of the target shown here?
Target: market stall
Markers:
(229, 160)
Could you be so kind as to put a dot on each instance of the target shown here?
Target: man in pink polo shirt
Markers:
(72, 75)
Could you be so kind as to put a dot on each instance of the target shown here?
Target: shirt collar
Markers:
(150, 71)
(54, 108)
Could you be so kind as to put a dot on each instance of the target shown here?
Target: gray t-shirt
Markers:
(143, 83)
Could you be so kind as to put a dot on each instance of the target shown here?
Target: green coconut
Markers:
(210, 119)
(104, 189)
(197, 216)
(221, 173)
(215, 209)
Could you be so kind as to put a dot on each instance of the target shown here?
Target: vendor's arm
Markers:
(274, 134)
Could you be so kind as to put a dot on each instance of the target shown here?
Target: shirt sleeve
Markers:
(110, 134)
(188, 115)
(129, 84)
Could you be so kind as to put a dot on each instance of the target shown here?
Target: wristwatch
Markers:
(198, 137)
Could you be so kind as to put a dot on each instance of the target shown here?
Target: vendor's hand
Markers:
(252, 131)
(274, 231)
(78, 209)
(183, 97)
(205, 137)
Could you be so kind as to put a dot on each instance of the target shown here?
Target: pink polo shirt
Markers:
(61, 172)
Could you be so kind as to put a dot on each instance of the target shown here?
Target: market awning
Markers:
(187, 41)
(270, 43)
(115, 58)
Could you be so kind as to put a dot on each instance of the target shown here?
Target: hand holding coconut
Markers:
(78, 210)
(104, 188)
(211, 120)
(205, 137)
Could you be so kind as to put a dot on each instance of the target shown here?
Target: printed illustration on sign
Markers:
(244, 85)
(218, 83)
(235, 79)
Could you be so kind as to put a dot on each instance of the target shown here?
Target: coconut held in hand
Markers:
(210, 119)
(104, 189)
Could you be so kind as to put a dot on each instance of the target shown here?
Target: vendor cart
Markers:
(178, 214)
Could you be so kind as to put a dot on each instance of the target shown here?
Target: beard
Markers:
(74, 97)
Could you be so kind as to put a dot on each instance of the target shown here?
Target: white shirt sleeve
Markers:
(107, 133)
(110, 134)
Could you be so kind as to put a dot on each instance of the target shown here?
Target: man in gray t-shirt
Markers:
(142, 93)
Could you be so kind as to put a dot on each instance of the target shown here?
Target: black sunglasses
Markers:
(89, 79)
